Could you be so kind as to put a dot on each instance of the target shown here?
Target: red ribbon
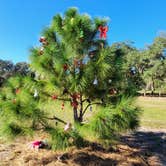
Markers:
(103, 31)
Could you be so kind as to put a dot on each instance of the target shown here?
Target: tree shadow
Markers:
(83, 159)
(149, 144)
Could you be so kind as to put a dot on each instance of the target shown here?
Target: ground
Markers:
(145, 147)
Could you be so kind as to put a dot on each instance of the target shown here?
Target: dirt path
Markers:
(142, 148)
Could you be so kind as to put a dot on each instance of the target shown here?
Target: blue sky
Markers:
(21, 21)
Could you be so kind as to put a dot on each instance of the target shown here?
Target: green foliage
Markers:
(62, 140)
(108, 122)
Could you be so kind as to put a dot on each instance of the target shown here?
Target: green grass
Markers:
(154, 112)
(153, 115)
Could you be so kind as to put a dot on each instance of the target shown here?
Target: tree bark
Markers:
(76, 118)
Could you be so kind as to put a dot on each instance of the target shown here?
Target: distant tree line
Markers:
(9, 69)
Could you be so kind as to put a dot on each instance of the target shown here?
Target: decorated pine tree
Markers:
(73, 61)
(73, 68)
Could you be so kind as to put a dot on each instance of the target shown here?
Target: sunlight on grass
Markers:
(154, 112)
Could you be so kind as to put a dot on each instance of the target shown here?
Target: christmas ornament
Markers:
(103, 31)
(42, 39)
(17, 91)
(95, 82)
(109, 81)
(62, 106)
(41, 51)
(65, 67)
(75, 96)
(67, 72)
(90, 108)
(54, 97)
(77, 70)
(113, 91)
(85, 60)
(35, 93)
(75, 104)
(67, 126)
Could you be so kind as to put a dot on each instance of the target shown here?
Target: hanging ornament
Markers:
(67, 126)
(54, 97)
(90, 108)
(67, 72)
(75, 96)
(35, 93)
(41, 51)
(85, 60)
(77, 70)
(75, 104)
(17, 91)
(109, 81)
(42, 39)
(113, 92)
(65, 67)
(103, 31)
(62, 106)
(95, 82)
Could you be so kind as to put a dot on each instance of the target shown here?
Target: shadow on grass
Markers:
(150, 144)
(83, 159)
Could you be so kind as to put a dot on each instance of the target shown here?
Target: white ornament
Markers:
(35, 93)
(95, 82)
(67, 126)
(109, 81)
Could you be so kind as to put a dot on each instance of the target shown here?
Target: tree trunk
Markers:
(81, 109)
(144, 92)
(76, 118)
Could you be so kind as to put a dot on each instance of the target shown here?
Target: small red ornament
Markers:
(17, 91)
(42, 39)
(54, 97)
(113, 92)
(75, 96)
(62, 106)
(65, 67)
(74, 104)
(103, 31)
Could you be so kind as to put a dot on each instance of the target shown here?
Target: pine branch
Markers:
(56, 118)
(89, 106)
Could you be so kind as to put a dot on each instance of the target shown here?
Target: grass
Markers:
(154, 112)
(153, 115)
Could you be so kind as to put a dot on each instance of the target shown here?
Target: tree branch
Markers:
(88, 106)
(56, 118)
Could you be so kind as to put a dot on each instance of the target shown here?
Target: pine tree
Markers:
(74, 61)
(73, 64)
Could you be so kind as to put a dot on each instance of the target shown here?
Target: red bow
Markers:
(103, 31)
(65, 67)
(54, 97)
